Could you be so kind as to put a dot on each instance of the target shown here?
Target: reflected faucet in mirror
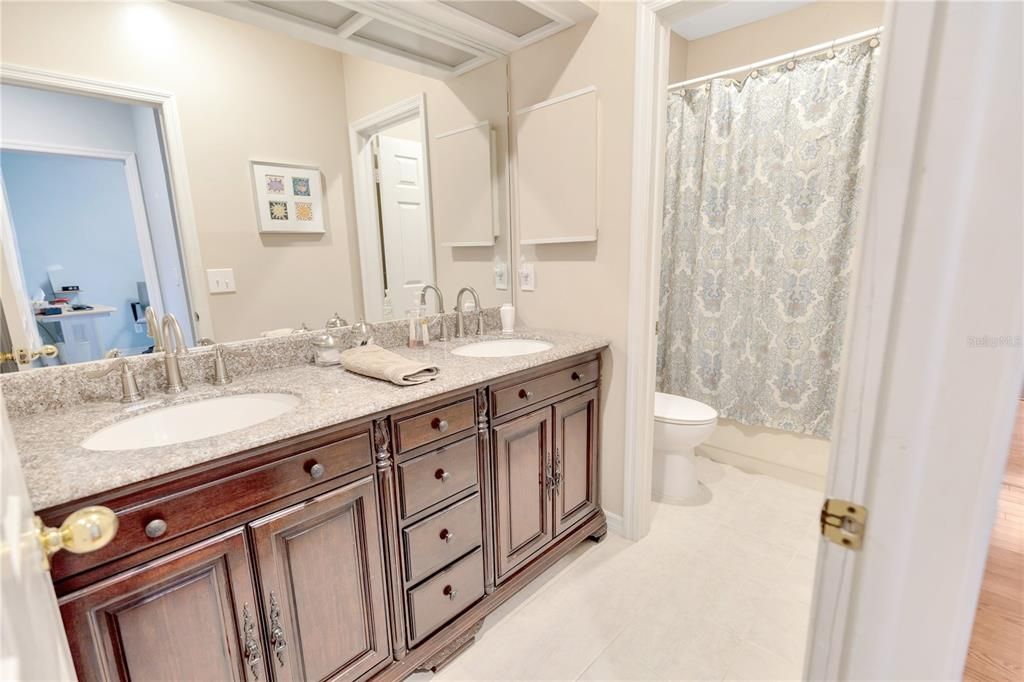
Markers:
(440, 308)
(460, 321)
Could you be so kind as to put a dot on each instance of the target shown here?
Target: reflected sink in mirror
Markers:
(191, 421)
(502, 348)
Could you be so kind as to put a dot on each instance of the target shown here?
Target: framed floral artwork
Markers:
(289, 198)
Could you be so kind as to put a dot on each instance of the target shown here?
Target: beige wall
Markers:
(242, 93)
(677, 48)
(583, 287)
(809, 25)
(476, 96)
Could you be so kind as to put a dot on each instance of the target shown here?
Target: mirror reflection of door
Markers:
(406, 240)
(86, 205)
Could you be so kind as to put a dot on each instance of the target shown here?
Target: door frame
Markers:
(135, 198)
(165, 104)
(361, 132)
(933, 568)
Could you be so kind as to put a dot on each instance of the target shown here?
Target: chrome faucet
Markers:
(460, 322)
(130, 392)
(171, 335)
(440, 307)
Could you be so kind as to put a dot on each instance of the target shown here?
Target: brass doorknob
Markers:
(85, 530)
(24, 356)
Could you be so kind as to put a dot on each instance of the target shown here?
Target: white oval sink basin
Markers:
(502, 348)
(191, 421)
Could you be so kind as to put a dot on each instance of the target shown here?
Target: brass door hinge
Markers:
(843, 522)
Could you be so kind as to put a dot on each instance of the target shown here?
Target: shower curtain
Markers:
(761, 186)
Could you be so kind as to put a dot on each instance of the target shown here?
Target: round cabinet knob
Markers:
(524, 394)
(576, 376)
(450, 592)
(156, 528)
(447, 535)
(442, 475)
(440, 424)
(317, 470)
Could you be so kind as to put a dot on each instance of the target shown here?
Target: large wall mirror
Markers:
(248, 181)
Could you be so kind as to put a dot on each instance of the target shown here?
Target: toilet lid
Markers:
(675, 409)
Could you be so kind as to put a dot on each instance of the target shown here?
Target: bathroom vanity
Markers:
(372, 546)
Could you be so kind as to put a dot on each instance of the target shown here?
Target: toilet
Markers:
(680, 425)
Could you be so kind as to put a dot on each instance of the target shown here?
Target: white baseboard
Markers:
(615, 523)
(755, 465)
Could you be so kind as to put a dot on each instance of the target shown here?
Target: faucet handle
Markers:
(220, 368)
(130, 392)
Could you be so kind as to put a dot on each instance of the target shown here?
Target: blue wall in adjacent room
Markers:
(75, 212)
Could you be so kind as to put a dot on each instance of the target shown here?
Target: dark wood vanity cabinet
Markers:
(322, 586)
(545, 476)
(364, 550)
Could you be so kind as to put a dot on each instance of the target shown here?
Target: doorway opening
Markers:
(85, 177)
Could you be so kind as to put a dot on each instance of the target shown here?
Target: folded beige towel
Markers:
(374, 361)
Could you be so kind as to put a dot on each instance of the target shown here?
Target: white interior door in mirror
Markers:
(556, 152)
(404, 219)
(464, 175)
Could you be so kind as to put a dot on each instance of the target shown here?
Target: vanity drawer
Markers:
(154, 521)
(441, 538)
(445, 596)
(437, 475)
(412, 432)
(512, 398)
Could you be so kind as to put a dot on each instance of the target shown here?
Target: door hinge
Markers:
(843, 523)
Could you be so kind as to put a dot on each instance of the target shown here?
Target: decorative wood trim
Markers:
(388, 497)
(446, 655)
(486, 490)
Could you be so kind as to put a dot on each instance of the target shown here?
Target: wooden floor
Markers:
(997, 645)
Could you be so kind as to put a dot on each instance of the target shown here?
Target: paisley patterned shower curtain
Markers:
(761, 187)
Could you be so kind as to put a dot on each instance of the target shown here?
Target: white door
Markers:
(405, 228)
(21, 323)
(32, 641)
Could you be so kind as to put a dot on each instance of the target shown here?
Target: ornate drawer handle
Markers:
(156, 528)
(524, 394)
(576, 376)
(277, 640)
(442, 475)
(250, 646)
(447, 535)
(450, 592)
(316, 470)
(440, 424)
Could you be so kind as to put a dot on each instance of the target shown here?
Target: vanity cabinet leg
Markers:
(389, 521)
(600, 535)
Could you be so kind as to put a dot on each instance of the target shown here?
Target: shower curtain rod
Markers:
(821, 47)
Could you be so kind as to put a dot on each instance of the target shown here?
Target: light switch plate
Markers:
(501, 276)
(221, 281)
(527, 277)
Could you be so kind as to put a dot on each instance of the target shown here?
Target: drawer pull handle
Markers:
(576, 376)
(450, 592)
(317, 470)
(440, 424)
(156, 528)
(442, 475)
(447, 535)
(524, 394)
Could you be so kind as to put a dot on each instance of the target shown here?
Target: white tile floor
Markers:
(719, 591)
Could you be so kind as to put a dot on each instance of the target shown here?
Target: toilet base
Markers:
(674, 478)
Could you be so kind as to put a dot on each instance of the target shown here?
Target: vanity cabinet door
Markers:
(575, 453)
(322, 586)
(522, 456)
(191, 615)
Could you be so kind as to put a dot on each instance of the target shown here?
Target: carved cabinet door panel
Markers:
(522, 465)
(575, 453)
(191, 615)
(322, 586)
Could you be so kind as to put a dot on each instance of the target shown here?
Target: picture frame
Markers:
(289, 198)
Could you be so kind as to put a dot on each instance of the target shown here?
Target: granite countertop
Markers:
(58, 469)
